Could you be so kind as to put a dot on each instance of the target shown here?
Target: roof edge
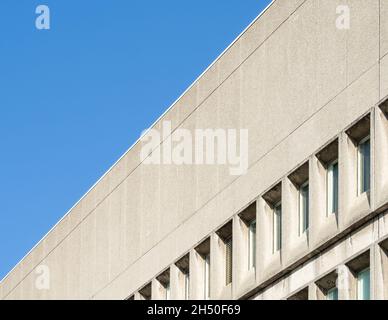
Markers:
(137, 141)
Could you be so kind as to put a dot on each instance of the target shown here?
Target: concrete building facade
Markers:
(308, 79)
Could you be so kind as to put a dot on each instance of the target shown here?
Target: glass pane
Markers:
(364, 166)
(332, 294)
(332, 188)
(228, 261)
(187, 285)
(277, 232)
(167, 288)
(207, 277)
(252, 245)
(304, 208)
(335, 188)
(363, 285)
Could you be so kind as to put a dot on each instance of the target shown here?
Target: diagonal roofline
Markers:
(138, 140)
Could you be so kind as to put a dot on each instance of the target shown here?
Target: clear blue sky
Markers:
(74, 98)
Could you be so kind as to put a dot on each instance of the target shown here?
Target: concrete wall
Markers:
(296, 82)
(369, 239)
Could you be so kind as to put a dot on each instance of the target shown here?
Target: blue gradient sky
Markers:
(74, 98)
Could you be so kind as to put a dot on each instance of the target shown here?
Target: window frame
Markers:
(277, 228)
(361, 166)
(330, 195)
(252, 245)
(304, 216)
(167, 290)
(228, 260)
(359, 280)
(331, 293)
(206, 279)
(187, 285)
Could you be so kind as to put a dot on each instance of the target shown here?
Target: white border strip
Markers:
(130, 148)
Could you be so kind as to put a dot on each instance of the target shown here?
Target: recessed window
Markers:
(332, 294)
(274, 200)
(228, 260)
(384, 265)
(301, 295)
(300, 179)
(332, 187)
(304, 207)
(164, 280)
(226, 236)
(277, 227)
(364, 165)
(384, 107)
(360, 273)
(203, 251)
(327, 287)
(328, 158)
(252, 245)
(184, 268)
(360, 136)
(168, 291)
(363, 284)
(187, 286)
(145, 292)
(248, 218)
(207, 277)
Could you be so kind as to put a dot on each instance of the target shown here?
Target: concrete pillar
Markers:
(240, 251)
(313, 291)
(158, 291)
(373, 160)
(380, 273)
(217, 267)
(345, 283)
(353, 205)
(268, 261)
(323, 224)
(219, 288)
(177, 290)
(290, 219)
(197, 276)
(295, 242)
(243, 275)
(381, 157)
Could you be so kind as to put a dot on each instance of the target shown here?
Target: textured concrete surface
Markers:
(297, 83)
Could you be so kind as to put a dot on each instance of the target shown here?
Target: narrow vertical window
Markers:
(277, 227)
(203, 257)
(247, 218)
(300, 203)
(364, 165)
(273, 209)
(183, 284)
(327, 287)
(167, 291)
(207, 277)
(301, 295)
(228, 260)
(359, 269)
(332, 187)
(146, 292)
(363, 285)
(304, 207)
(164, 281)
(328, 160)
(252, 245)
(187, 285)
